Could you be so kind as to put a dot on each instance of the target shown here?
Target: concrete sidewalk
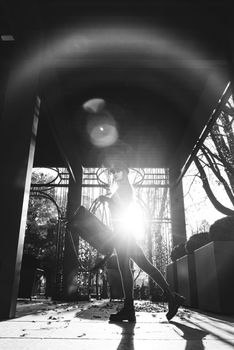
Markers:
(84, 325)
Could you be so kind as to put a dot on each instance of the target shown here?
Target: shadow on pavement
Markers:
(191, 335)
(127, 340)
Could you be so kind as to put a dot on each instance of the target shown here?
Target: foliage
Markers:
(40, 239)
(42, 224)
(197, 241)
(88, 255)
(161, 253)
(222, 229)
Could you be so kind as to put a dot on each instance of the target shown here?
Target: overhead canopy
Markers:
(160, 66)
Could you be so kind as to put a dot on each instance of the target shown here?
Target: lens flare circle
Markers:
(102, 129)
(103, 135)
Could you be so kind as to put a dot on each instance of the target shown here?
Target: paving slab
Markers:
(85, 325)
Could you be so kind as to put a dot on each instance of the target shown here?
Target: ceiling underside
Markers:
(161, 67)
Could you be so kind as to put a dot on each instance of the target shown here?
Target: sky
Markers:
(197, 205)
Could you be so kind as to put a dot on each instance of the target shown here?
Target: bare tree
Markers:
(217, 155)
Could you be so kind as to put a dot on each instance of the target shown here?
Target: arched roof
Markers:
(160, 66)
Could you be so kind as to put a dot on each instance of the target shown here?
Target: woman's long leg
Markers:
(128, 311)
(174, 300)
(140, 259)
(125, 273)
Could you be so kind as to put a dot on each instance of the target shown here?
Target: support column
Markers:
(17, 144)
(68, 143)
(177, 210)
(70, 262)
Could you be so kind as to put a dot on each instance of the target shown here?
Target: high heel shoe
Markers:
(174, 302)
(127, 313)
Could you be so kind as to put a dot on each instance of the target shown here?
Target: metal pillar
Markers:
(70, 259)
(177, 210)
(17, 145)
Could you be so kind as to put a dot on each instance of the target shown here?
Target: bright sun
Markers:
(132, 221)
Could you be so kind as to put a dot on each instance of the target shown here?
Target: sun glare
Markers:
(133, 222)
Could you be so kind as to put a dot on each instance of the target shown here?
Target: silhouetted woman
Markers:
(127, 248)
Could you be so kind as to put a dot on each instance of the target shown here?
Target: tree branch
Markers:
(222, 149)
(219, 206)
(208, 155)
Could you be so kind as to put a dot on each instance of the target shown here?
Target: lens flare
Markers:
(132, 221)
(101, 126)
(114, 40)
(102, 135)
(95, 105)
(94, 43)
